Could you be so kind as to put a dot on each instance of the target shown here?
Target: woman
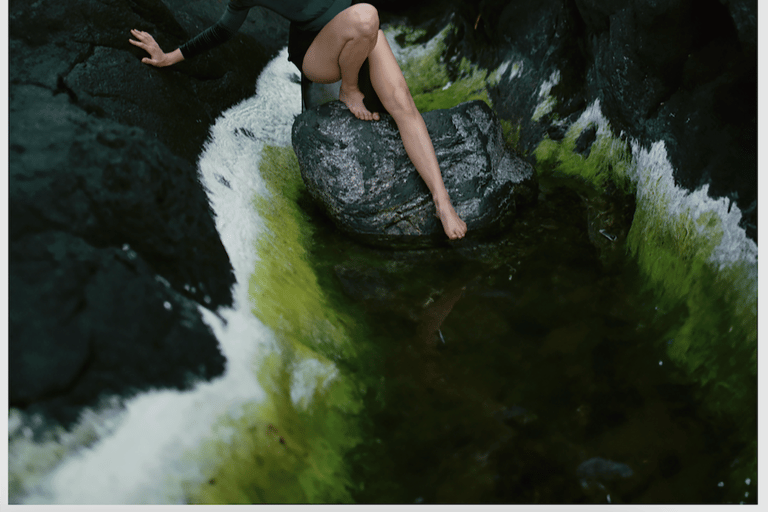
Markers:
(330, 40)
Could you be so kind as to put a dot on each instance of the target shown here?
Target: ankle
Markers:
(441, 200)
(347, 87)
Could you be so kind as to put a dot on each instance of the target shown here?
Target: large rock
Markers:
(112, 245)
(680, 71)
(108, 262)
(362, 177)
(89, 322)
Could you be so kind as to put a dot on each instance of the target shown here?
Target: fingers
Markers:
(147, 43)
(152, 62)
(140, 34)
(145, 40)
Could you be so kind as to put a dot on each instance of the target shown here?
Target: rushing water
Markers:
(528, 369)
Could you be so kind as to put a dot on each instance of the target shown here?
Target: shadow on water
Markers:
(528, 369)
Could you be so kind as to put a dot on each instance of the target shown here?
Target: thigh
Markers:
(321, 62)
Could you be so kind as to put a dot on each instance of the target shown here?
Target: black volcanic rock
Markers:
(87, 322)
(112, 243)
(111, 185)
(103, 233)
(681, 71)
(363, 179)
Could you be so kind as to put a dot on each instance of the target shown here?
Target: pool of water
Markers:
(527, 369)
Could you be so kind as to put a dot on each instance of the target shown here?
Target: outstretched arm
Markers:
(219, 33)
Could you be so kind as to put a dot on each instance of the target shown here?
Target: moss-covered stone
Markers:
(609, 157)
(429, 79)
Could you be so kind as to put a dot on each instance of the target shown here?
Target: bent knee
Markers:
(365, 18)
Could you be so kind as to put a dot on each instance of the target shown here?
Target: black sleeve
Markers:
(222, 31)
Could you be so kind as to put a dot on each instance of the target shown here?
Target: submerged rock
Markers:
(604, 469)
(362, 177)
(516, 416)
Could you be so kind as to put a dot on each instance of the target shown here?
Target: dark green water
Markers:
(496, 369)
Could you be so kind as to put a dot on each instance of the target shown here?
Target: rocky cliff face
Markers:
(679, 71)
(112, 244)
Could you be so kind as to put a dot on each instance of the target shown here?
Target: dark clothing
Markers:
(299, 42)
(307, 18)
(305, 15)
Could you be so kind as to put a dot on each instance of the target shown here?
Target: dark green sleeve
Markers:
(222, 31)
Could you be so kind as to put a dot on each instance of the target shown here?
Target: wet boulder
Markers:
(113, 249)
(363, 179)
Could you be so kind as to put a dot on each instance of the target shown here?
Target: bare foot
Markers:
(353, 99)
(453, 226)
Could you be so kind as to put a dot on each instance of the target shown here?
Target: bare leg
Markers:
(338, 52)
(389, 83)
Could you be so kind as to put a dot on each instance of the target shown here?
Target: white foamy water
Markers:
(652, 173)
(148, 450)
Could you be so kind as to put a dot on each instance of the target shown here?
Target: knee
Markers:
(366, 19)
(400, 102)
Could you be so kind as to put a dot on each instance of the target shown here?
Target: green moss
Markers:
(429, 79)
(609, 158)
(716, 342)
(284, 449)
(548, 101)
(715, 339)
(511, 133)
(285, 286)
(545, 107)
(411, 35)
(280, 453)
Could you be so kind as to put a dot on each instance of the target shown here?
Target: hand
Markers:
(157, 57)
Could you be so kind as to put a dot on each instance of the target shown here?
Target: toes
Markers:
(457, 232)
(364, 115)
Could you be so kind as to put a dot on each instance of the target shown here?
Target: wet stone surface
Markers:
(365, 182)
